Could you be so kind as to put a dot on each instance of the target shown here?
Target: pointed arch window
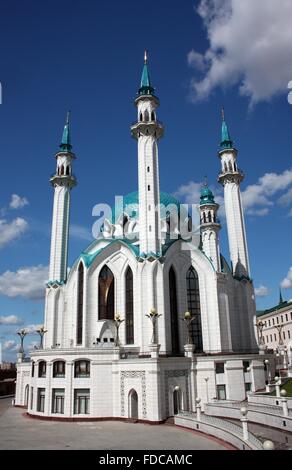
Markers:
(80, 304)
(173, 312)
(106, 294)
(193, 298)
(129, 307)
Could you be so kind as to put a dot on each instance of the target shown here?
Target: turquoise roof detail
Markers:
(66, 140)
(207, 196)
(145, 86)
(226, 141)
(131, 205)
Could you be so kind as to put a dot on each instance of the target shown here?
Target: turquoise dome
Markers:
(207, 196)
(131, 205)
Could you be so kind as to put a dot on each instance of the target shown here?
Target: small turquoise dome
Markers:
(131, 205)
(207, 196)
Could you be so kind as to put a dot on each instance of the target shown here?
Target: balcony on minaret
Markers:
(63, 180)
(230, 174)
(154, 128)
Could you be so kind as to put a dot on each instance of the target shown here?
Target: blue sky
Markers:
(87, 57)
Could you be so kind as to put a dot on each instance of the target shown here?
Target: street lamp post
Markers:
(41, 331)
(207, 388)
(260, 326)
(22, 333)
(117, 322)
(188, 319)
(279, 329)
(153, 316)
(267, 364)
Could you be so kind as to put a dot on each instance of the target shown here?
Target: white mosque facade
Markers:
(117, 341)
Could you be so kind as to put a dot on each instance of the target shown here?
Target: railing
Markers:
(223, 425)
(260, 408)
(230, 172)
(273, 409)
(147, 122)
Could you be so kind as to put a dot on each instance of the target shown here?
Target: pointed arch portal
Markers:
(133, 404)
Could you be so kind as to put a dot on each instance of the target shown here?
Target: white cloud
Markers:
(287, 281)
(261, 291)
(260, 194)
(10, 345)
(32, 328)
(17, 202)
(80, 232)
(250, 46)
(190, 193)
(196, 60)
(28, 282)
(10, 231)
(11, 320)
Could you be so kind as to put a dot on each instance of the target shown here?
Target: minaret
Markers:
(147, 130)
(210, 226)
(231, 177)
(63, 181)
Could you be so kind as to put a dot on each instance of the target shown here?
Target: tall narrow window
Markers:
(173, 312)
(106, 294)
(193, 297)
(129, 307)
(80, 303)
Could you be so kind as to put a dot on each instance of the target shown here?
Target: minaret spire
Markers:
(66, 141)
(63, 181)
(231, 177)
(145, 85)
(147, 130)
(226, 141)
(210, 226)
(280, 297)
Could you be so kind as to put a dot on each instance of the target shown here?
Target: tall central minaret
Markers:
(63, 181)
(147, 130)
(231, 177)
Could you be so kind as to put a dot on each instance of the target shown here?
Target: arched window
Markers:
(68, 171)
(80, 303)
(173, 312)
(62, 170)
(42, 368)
(209, 217)
(32, 369)
(129, 307)
(193, 298)
(133, 404)
(152, 116)
(82, 368)
(204, 217)
(106, 294)
(141, 117)
(59, 369)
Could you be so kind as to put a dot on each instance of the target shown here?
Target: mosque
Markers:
(151, 315)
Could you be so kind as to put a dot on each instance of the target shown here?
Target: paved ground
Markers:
(20, 432)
